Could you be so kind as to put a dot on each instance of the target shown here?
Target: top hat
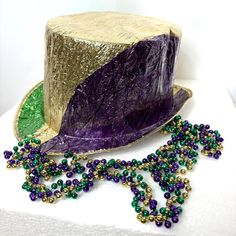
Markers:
(108, 82)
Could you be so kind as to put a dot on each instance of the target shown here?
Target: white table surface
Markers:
(106, 210)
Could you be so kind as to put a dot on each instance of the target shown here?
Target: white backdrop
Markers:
(207, 52)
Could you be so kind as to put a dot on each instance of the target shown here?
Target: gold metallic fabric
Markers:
(78, 45)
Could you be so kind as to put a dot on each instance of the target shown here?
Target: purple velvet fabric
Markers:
(125, 99)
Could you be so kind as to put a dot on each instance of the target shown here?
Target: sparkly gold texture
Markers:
(78, 45)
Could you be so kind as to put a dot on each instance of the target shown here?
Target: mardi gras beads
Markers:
(166, 167)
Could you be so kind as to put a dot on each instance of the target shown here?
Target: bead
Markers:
(51, 200)
(188, 188)
(58, 195)
(159, 218)
(20, 143)
(74, 195)
(177, 192)
(169, 202)
(185, 195)
(139, 216)
(139, 177)
(162, 210)
(145, 213)
(134, 203)
(180, 200)
(186, 180)
(167, 195)
(143, 220)
(145, 202)
(179, 179)
(15, 148)
(189, 167)
(175, 219)
(151, 218)
(138, 209)
(60, 182)
(143, 185)
(148, 190)
(54, 186)
(44, 199)
(159, 223)
(65, 190)
(167, 224)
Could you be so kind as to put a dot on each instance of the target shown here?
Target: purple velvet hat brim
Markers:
(124, 100)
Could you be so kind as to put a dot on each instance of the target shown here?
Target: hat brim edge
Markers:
(31, 91)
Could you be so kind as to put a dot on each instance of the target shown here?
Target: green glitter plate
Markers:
(30, 115)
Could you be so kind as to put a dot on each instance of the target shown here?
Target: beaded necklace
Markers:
(166, 167)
